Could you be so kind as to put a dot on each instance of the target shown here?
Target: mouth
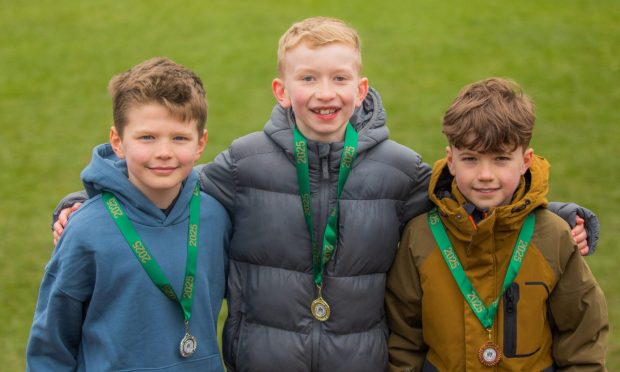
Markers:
(163, 170)
(325, 111)
(486, 190)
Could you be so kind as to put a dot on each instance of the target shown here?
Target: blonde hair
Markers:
(317, 32)
(162, 81)
(490, 115)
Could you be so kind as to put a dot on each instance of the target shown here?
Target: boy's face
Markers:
(323, 86)
(160, 151)
(488, 180)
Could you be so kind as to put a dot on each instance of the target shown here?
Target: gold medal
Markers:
(320, 309)
(188, 345)
(489, 354)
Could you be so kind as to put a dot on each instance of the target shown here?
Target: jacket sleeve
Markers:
(417, 199)
(56, 332)
(578, 316)
(68, 201)
(218, 179)
(569, 211)
(403, 302)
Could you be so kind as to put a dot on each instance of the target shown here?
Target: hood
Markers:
(368, 120)
(531, 194)
(106, 172)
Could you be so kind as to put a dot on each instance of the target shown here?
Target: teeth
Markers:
(327, 112)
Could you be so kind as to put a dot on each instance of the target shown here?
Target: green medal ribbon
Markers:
(330, 237)
(146, 259)
(484, 314)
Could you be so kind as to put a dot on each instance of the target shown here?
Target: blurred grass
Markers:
(57, 57)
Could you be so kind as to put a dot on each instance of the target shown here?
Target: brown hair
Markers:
(162, 81)
(489, 116)
(317, 32)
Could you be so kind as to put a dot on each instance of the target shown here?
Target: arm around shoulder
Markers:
(67, 202)
(570, 211)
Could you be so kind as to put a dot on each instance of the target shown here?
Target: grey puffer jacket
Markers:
(270, 286)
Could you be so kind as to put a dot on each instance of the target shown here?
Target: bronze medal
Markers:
(320, 309)
(489, 354)
(188, 345)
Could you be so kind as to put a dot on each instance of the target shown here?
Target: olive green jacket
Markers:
(553, 315)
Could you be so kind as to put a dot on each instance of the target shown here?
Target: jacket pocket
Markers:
(511, 299)
(533, 296)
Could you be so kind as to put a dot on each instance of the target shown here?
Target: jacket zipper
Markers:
(511, 298)
(323, 213)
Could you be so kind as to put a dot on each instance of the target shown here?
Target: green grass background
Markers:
(56, 58)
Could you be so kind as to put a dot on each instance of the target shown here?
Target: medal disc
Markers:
(489, 354)
(188, 345)
(320, 309)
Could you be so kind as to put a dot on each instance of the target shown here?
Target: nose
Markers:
(163, 150)
(485, 171)
(325, 91)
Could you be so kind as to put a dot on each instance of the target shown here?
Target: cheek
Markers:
(298, 98)
(188, 156)
(136, 154)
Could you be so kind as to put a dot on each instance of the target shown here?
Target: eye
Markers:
(307, 78)
(146, 137)
(468, 158)
(340, 78)
(502, 158)
(181, 138)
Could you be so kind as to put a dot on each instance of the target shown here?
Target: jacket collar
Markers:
(456, 210)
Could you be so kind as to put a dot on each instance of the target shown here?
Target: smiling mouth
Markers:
(325, 111)
(162, 169)
(486, 190)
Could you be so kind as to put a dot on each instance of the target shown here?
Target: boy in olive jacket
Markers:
(491, 277)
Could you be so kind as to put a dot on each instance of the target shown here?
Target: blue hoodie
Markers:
(97, 308)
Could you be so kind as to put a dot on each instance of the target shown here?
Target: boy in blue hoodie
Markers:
(137, 280)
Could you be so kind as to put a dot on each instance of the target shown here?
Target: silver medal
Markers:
(188, 345)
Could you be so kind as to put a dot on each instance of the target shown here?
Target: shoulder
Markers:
(210, 204)
(550, 225)
(252, 144)
(396, 158)
(418, 238)
(89, 229)
(213, 210)
(552, 237)
(88, 217)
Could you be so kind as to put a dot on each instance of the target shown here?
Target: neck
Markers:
(163, 200)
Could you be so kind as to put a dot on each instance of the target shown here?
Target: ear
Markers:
(362, 91)
(202, 143)
(279, 91)
(528, 157)
(117, 143)
(449, 160)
